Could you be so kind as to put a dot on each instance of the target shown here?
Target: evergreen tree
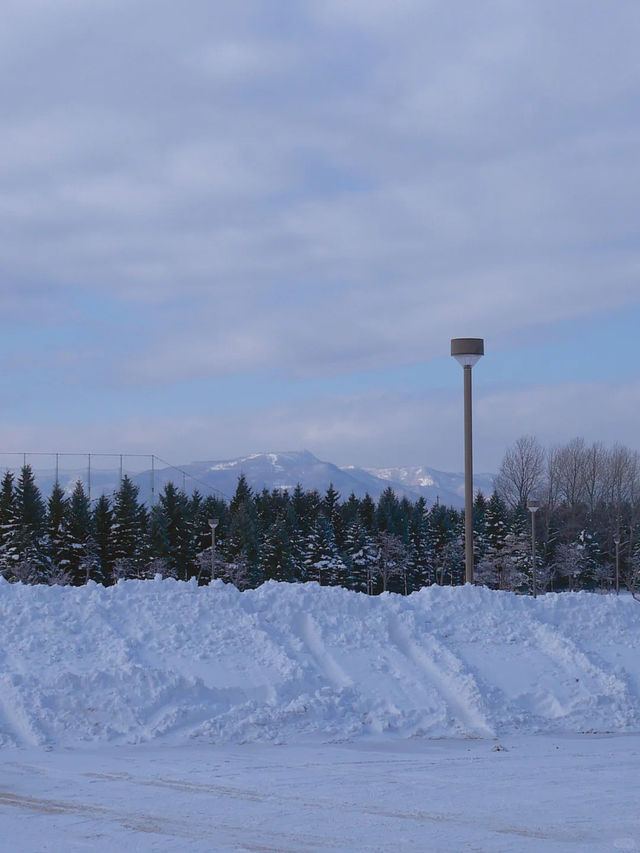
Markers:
(307, 508)
(26, 542)
(322, 560)
(102, 523)
(479, 526)
(129, 529)
(444, 543)
(361, 558)
(495, 522)
(172, 533)
(389, 514)
(83, 553)
(8, 524)
(244, 533)
(330, 508)
(368, 513)
(420, 554)
(201, 510)
(350, 511)
(276, 554)
(57, 534)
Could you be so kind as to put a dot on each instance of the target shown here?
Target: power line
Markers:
(87, 455)
(195, 479)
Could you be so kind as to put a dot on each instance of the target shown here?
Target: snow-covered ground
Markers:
(542, 793)
(163, 716)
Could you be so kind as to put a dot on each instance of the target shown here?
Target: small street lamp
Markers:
(468, 351)
(616, 539)
(532, 506)
(213, 523)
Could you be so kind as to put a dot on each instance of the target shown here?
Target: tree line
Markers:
(391, 544)
(587, 496)
(589, 510)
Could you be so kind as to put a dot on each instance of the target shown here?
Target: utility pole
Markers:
(532, 506)
(213, 523)
(468, 351)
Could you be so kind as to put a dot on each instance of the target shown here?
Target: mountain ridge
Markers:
(285, 469)
(277, 470)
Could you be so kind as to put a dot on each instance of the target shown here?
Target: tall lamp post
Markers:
(213, 523)
(616, 539)
(468, 351)
(532, 506)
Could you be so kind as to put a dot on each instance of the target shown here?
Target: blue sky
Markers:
(256, 226)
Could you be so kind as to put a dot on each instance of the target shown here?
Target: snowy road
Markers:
(529, 793)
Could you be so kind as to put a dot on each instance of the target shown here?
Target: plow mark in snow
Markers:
(441, 668)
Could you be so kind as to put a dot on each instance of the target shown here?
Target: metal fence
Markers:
(99, 473)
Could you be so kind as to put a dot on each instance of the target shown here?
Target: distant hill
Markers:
(276, 471)
(285, 470)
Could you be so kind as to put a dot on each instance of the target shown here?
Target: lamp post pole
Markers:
(467, 351)
(616, 539)
(213, 523)
(532, 506)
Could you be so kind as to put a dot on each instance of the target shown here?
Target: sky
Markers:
(235, 227)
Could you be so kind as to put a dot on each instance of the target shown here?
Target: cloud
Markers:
(312, 190)
(382, 428)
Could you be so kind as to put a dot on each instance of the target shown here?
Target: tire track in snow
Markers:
(134, 821)
(588, 675)
(445, 671)
(555, 832)
(308, 631)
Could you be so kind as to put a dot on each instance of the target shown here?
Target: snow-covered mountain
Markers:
(432, 483)
(274, 471)
(286, 469)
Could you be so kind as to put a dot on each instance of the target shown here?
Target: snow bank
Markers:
(166, 660)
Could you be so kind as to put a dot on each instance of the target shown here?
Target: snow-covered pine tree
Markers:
(57, 538)
(360, 557)
(276, 555)
(479, 526)
(322, 561)
(171, 533)
(102, 522)
(8, 523)
(83, 551)
(244, 534)
(129, 532)
(330, 508)
(27, 539)
(445, 544)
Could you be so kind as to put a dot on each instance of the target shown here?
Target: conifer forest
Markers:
(588, 499)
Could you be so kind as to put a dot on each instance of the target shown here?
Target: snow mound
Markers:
(147, 660)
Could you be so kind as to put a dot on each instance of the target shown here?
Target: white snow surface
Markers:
(173, 663)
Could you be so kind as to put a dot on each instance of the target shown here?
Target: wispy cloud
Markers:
(318, 189)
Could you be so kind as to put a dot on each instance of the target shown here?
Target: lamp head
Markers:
(213, 523)
(467, 351)
(533, 506)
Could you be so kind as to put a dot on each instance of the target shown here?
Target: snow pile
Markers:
(171, 661)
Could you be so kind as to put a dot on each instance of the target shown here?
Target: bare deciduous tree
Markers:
(392, 556)
(571, 467)
(595, 460)
(520, 474)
